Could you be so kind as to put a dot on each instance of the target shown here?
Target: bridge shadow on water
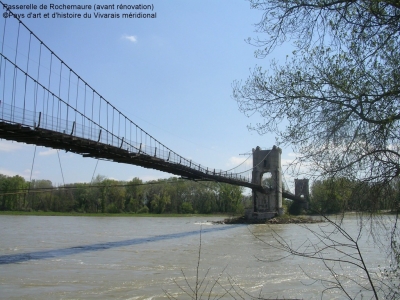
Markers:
(45, 254)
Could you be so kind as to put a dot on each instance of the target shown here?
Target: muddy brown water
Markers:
(45, 257)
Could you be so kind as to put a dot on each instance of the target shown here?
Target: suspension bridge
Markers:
(45, 102)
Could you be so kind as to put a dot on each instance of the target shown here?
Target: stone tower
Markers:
(267, 205)
(301, 190)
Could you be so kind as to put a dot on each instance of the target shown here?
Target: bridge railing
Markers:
(38, 89)
(16, 115)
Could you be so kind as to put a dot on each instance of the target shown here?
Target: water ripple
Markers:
(21, 257)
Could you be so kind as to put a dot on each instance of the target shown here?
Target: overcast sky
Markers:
(172, 75)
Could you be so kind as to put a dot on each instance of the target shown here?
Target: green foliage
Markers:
(143, 210)
(186, 208)
(104, 195)
(181, 196)
(133, 195)
(335, 99)
(330, 195)
(334, 195)
(132, 205)
(295, 208)
(10, 186)
(230, 197)
(160, 202)
(112, 208)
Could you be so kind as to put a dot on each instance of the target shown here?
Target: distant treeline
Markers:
(104, 195)
(179, 196)
(338, 194)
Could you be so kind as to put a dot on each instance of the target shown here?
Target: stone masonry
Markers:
(269, 204)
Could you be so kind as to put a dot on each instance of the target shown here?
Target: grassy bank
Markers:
(75, 214)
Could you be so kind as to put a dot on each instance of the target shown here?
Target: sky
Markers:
(172, 75)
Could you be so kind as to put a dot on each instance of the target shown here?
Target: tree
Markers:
(339, 252)
(230, 197)
(11, 199)
(186, 208)
(336, 97)
(331, 195)
(160, 202)
(112, 196)
(133, 194)
(41, 196)
(205, 197)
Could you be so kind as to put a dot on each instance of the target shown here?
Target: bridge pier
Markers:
(268, 203)
(301, 190)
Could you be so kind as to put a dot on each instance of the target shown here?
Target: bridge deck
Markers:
(90, 148)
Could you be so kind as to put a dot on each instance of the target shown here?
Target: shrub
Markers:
(143, 210)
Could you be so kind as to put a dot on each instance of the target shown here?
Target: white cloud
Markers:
(130, 38)
(7, 146)
(146, 178)
(48, 152)
(25, 174)
(8, 172)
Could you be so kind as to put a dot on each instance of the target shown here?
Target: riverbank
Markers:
(230, 220)
(77, 214)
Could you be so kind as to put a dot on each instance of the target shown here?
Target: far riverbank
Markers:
(77, 214)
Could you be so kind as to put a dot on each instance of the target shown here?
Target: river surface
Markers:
(45, 257)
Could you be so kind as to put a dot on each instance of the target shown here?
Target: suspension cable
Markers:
(94, 171)
(81, 84)
(239, 164)
(62, 174)
(256, 164)
(30, 177)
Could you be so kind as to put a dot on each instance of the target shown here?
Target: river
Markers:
(46, 257)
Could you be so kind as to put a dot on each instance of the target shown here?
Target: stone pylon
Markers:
(269, 204)
(301, 190)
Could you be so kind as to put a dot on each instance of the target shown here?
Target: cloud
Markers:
(48, 152)
(8, 172)
(28, 173)
(130, 38)
(25, 174)
(7, 146)
(146, 178)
